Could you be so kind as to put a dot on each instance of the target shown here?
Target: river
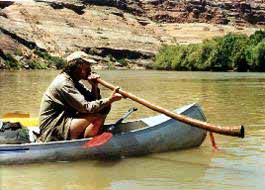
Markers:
(226, 98)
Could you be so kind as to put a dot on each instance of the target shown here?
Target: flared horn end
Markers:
(242, 131)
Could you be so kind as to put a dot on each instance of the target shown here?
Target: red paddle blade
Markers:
(98, 140)
(213, 142)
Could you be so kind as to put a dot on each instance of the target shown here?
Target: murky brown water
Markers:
(226, 98)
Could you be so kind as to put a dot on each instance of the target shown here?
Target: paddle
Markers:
(213, 141)
(237, 131)
(98, 140)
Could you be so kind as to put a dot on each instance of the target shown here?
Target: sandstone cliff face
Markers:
(218, 12)
(114, 30)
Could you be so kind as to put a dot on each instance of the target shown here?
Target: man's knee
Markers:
(96, 126)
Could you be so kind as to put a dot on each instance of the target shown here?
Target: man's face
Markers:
(85, 70)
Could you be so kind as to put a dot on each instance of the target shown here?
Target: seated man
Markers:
(68, 109)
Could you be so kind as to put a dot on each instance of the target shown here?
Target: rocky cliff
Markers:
(116, 32)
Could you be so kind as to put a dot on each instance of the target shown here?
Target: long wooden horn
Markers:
(237, 131)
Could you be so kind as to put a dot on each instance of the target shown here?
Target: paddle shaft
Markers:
(237, 131)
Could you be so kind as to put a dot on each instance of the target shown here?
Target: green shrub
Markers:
(239, 61)
(206, 55)
(42, 54)
(231, 52)
(58, 62)
(259, 57)
(226, 50)
(257, 37)
(33, 64)
(19, 52)
(11, 62)
(123, 62)
(191, 58)
(164, 59)
(179, 57)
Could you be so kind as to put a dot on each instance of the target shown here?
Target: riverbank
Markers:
(41, 59)
(233, 52)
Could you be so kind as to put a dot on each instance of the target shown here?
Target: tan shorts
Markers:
(57, 133)
(62, 131)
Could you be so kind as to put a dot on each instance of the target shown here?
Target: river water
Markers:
(226, 98)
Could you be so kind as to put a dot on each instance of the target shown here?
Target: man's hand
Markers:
(115, 96)
(92, 79)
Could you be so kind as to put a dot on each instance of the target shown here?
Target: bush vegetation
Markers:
(11, 62)
(46, 61)
(233, 52)
(34, 64)
(52, 61)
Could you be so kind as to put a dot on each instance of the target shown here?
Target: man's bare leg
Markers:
(86, 127)
(93, 128)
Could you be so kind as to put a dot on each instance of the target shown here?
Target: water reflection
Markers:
(151, 171)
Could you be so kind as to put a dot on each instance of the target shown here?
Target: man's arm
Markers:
(74, 99)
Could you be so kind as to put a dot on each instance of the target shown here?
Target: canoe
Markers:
(139, 137)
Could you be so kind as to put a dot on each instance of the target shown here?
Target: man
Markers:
(68, 109)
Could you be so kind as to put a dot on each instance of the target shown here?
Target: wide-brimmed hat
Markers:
(80, 55)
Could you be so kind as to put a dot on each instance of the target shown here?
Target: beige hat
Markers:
(80, 55)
